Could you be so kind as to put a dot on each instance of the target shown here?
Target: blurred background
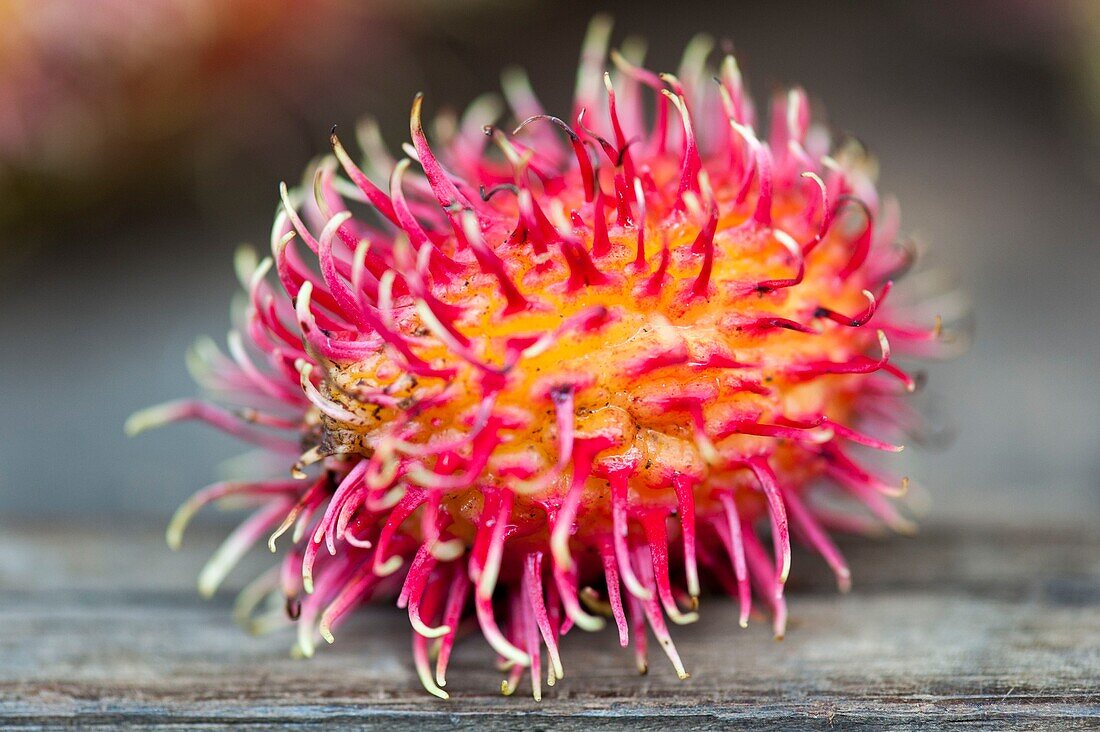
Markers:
(142, 140)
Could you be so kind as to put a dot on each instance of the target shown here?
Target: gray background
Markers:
(979, 115)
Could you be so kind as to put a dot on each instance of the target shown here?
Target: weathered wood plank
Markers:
(994, 627)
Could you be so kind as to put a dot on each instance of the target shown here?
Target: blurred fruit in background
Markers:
(132, 96)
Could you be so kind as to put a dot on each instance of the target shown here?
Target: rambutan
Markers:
(539, 368)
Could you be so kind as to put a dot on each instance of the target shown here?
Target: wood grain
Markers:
(963, 628)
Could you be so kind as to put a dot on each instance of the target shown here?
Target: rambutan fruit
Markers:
(563, 375)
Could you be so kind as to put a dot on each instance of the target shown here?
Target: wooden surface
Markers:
(984, 628)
